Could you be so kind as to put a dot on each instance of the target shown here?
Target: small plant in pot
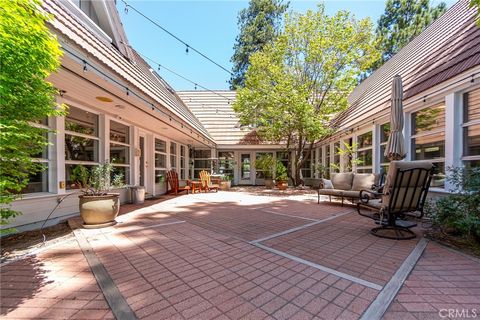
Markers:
(98, 207)
(281, 176)
(266, 164)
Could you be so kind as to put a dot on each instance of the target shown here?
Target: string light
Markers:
(186, 49)
(127, 5)
(85, 68)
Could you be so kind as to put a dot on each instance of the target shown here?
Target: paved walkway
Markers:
(239, 256)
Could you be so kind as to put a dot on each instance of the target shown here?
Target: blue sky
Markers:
(210, 27)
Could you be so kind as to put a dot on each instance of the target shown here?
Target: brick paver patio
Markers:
(196, 257)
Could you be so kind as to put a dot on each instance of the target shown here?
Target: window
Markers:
(282, 156)
(120, 150)
(364, 152)
(335, 166)
(226, 163)
(260, 174)
(384, 133)
(428, 139)
(173, 155)
(38, 182)
(306, 168)
(202, 161)
(81, 143)
(327, 162)
(471, 128)
(183, 162)
(160, 160)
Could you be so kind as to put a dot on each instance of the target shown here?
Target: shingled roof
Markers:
(135, 72)
(448, 47)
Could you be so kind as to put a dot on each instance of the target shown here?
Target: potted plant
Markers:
(281, 176)
(266, 164)
(98, 208)
(226, 182)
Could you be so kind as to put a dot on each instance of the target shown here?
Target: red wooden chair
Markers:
(174, 186)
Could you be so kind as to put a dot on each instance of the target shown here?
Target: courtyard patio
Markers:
(239, 255)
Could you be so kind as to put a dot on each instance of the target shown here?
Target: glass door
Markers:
(245, 168)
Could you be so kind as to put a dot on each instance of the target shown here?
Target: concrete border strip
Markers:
(383, 300)
(282, 233)
(320, 267)
(117, 302)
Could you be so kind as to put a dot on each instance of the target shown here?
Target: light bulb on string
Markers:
(85, 68)
(186, 49)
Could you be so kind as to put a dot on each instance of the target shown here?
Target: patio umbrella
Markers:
(395, 149)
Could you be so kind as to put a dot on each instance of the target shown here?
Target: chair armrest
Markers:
(367, 195)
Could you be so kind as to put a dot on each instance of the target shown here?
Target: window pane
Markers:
(173, 161)
(364, 158)
(73, 175)
(472, 163)
(44, 153)
(160, 160)
(160, 145)
(471, 106)
(81, 121)
(429, 147)
(471, 140)
(202, 164)
(119, 132)
(365, 140)
(120, 176)
(82, 149)
(119, 154)
(438, 179)
(202, 154)
(384, 132)
(383, 159)
(182, 151)
(159, 176)
(173, 148)
(37, 182)
(364, 170)
(428, 119)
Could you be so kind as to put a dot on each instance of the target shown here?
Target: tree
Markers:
(402, 21)
(299, 81)
(476, 4)
(28, 54)
(259, 24)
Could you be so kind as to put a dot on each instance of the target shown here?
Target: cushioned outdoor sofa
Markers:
(347, 185)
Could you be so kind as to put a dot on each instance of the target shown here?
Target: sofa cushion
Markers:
(327, 184)
(342, 181)
(363, 181)
(331, 192)
(351, 194)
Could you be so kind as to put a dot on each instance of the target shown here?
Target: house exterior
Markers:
(440, 70)
(122, 111)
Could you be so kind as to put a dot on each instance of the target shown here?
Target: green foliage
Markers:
(402, 21)
(281, 172)
(347, 152)
(266, 163)
(476, 3)
(259, 24)
(28, 54)
(298, 82)
(459, 212)
(98, 180)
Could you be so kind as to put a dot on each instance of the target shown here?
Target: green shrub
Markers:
(459, 212)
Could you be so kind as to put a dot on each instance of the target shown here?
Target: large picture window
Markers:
(306, 168)
(173, 155)
(160, 160)
(259, 173)
(183, 162)
(471, 129)
(202, 161)
(428, 139)
(120, 150)
(226, 163)
(38, 182)
(364, 152)
(81, 143)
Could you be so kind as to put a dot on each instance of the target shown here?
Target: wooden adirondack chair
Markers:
(208, 183)
(174, 187)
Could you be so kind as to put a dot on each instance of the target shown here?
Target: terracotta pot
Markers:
(99, 211)
(269, 183)
(282, 185)
(225, 185)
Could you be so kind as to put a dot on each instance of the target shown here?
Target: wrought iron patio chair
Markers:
(404, 195)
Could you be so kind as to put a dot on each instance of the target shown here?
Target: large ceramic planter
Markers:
(269, 183)
(282, 185)
(225, 185)
(99, 211)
